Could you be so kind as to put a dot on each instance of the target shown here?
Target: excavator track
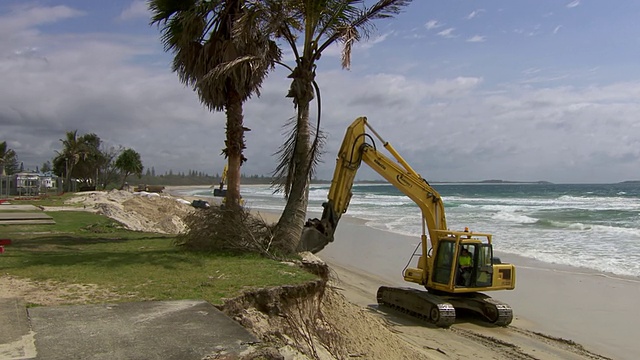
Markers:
(419, 304)
(505, 313)
(440, 309)
(493, 311)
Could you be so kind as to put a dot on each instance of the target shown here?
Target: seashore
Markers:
(560, 312)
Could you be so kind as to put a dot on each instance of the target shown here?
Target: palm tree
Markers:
(8, 160)
(318, 24)
(129, 163)
(73, 150)
(224, 71)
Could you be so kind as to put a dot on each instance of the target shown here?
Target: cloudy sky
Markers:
(464, 90)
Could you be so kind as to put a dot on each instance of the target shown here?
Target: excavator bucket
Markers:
(313, 240)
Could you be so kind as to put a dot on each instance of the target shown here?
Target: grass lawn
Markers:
(86, 248)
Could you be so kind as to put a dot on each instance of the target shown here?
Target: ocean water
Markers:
(593, 226)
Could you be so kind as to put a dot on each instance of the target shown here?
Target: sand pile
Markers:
(139, 211)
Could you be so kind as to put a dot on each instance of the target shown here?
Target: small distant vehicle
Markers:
(149, 188)
(200, 204)
(451, 282)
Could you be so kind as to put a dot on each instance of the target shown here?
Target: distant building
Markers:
(48, 180)
(29, 184)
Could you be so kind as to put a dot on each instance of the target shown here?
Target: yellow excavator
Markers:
(452, 282)
(220, 191)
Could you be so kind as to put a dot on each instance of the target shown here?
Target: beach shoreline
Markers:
(593, 309)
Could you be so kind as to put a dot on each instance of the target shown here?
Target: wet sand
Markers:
(596, 310)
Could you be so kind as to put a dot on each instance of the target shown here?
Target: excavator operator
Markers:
(465, 264)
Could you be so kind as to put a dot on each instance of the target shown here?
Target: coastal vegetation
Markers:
(224, 71)
(307, 29)
(128, 162)
(92, 164)
(224, 51)
(8, 160)
(85, 159)
(86, 248)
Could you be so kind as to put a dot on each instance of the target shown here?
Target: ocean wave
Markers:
(545, 223)
(564, 201)
(605, 263)
(514, 218)
(570, 225)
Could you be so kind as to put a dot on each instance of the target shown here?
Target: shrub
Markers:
(219, 229)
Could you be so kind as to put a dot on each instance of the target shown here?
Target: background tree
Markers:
(9, 164)
(46, 166)
(224, 71)
(81, 159)
(87, 170)
(312, 26)
(108, 173)
(128, 163)
(73, 150)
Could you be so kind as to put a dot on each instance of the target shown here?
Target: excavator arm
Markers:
(359, 146)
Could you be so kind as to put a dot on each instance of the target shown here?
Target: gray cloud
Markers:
(450, 128)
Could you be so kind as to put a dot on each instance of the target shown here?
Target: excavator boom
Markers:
(352, 153)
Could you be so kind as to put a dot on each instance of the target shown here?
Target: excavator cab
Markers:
(477, 272)
(449, 273)
(453, 283)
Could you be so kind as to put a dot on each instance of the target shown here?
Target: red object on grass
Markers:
(5, 242)
(1, 249)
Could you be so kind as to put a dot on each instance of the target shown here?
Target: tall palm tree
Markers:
(317, 24)
(73, 150)
(224, 71)
(8, 159)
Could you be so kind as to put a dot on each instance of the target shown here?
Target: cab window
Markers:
(445, 258)
(484, 269)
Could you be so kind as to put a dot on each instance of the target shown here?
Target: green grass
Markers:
(47, 200)
(87, 248)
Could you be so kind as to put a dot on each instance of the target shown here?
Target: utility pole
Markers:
(66, 175)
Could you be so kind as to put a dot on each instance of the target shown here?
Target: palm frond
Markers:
(214, 53)
(359, 25)
(283, 173)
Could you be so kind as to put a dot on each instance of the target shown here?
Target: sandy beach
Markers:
(595, 310)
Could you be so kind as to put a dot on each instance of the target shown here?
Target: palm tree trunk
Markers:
(289, 227)
(235, 146)
(124, 181)
(68, 178)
